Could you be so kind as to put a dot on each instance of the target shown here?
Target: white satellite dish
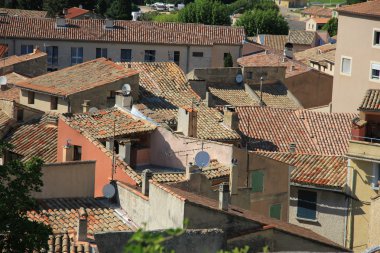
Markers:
(202, 159)
(126, 89)
(109, 191)
(239, 78)
(3, 80)
(93, 110)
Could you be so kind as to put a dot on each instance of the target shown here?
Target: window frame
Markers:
(125, 59)
(177, 54)
(150, 56)
(253, 189)
(76, 58)
(31, 97)
(370, 72)
(197, 54)
(341, 65)
(52, 55)
(300, 217)
(26, 49)
(101, 52)
(374, 31)
(77, 153)
(375, 175)
(53, 103)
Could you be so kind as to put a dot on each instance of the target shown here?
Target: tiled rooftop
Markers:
(276, 42)
(252, 48)
(12, 93)
(371, 101)
(274, 129)
(231, 96)
(14, 59)
(24, 13)
(370, 8)
(3, 50)
(321, 20)
(5, 121)
(100, 124)
(318, 54)
(301, 37)
(123, 31)
(78, 78)
(62, 215)
(35, 138)
(74, 12)
(164, 88)
(270, 59)
(311, 169)
(318, 11)
(66, 243)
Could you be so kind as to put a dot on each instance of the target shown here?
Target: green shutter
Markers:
(275, 211)
(257, 181)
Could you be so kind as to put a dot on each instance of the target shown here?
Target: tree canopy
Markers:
(207, 12)
(17, 181)
(120, 9)
(331, 26)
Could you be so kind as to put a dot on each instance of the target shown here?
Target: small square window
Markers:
(249, 75)
(346, 66)
(31, 97)
(376, 38)
(77, 153)
(197, 54)
(150, 56)
(101, 52)
(375, 71)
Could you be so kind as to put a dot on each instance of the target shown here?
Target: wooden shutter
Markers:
(275, 211)
(257, 181)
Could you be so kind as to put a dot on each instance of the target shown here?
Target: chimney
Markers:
(61, 22)
(292, 148)
(187, 122)
(231, 118)
(125, 150)
(146, 175)
(109, 23)
(123, 100)
(209, 99)
(234, 174)
(223, 196)
(86, 105)
(82, 225)
(190, 170)
(68, 152)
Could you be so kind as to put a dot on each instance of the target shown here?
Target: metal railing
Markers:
(366, 139)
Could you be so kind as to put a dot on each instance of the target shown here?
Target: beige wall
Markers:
(311, 25)
(67, 180)
(211, 54)
(349, 90)
(42, 102)
(374, 224)
(30, 68)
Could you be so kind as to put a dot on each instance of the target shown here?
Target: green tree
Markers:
(207, 12)
(263, 22)
(101, 7)
(54, 7)
(228, 62)
(17, 181)
(172, 17)
(355, 1)
(120, 9)
(331, 26)
(30, 4)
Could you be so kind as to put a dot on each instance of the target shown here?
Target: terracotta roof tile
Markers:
(318, 11)
(321, 20)
(3, 50)
(301, 37)
(276, 42)
(231, 96)
(317, 54)
(11, 60)
(370, 8)
(273, 129)
(12, 93)
(371, 101)
(36, 138)
(312, 169)
(74, 12)
(123, 31)
(24, 13)
(78, 78)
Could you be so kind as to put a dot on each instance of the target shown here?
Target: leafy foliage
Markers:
(17, 181)
(200, 10)
(101, 7)
(354, 1)
(172, 17)
(120, 9)
(331, 26)
(53, 7)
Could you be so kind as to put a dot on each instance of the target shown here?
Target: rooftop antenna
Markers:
(126, 89)
(202, 159)
(93, 110)
(261, 91)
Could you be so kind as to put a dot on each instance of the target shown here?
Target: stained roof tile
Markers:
(74, 12)
(318, 11)
(369, 8)
(371, 101)
(24, 13)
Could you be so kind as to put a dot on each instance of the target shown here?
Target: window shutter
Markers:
(257, 181)
(275, 211)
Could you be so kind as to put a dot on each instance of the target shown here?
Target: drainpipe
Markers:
(187, 58)
(347, 223)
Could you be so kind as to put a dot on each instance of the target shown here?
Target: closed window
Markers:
(275, 211)
(197, 54)
(77, 153)
(176, 57)
(307, 205)
(31, 97)
(346, 65)
(126, 55)
(52, 55)
(101, 52)
(26, 49)
(249, 75)
(376, 176)
(376, 38)
(53, 103)
(375, 71)
(20, 115)
(150, 56)
(76, 55)
(257, 181)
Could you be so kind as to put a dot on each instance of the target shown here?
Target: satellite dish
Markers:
(239, 78)
(93, 110)
(109, 191)
(126, 89)
(3, 80)
(202, 159)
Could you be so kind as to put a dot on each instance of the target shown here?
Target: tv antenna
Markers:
(126, 89)
(202, 159)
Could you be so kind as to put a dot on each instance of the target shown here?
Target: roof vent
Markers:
(109, 23)
(61, 22)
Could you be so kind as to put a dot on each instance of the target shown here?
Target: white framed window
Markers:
(374, 72)
(346, 65)
(76, 55)
(376, 37)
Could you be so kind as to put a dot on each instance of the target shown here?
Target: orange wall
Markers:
(103, 166)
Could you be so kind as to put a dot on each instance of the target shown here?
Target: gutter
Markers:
(316, 187)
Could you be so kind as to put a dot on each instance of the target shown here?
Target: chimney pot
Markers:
(145, 177)
(223, 196)
(292, 148)
(82, 225)
(109, 23)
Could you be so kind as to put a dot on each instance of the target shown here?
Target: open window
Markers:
(307, 205)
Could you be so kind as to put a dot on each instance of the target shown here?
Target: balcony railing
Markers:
(366, 139)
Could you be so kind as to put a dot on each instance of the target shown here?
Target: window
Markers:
(26, 49)
(257, 181)
(126, 55)
(346, 66)
(249, 75)
(150, 56)
(307, 205)
(101, 52)
(77, 153)
(31, 97)
(53, 103)
(76, 55)
(20, 115)
(376, 176)
(112, 94)
(52, 55)
(197, 54)
(376, 38)
(176, 57)
(375, 71)
(275, 211)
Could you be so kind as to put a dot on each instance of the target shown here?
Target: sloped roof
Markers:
(370, 9)
(321, 20)
(235, 96)
(274, 129)
(74, 12)
(276, 42)
(312, 169)
(35, 138)
(122, 32)
(318, 11)
(78, 78)
(164, 88)
(12, 93)
(302, 37)
(320, 53)
(371, 101)
(24, 13)
(14, 59)
(100, 124)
